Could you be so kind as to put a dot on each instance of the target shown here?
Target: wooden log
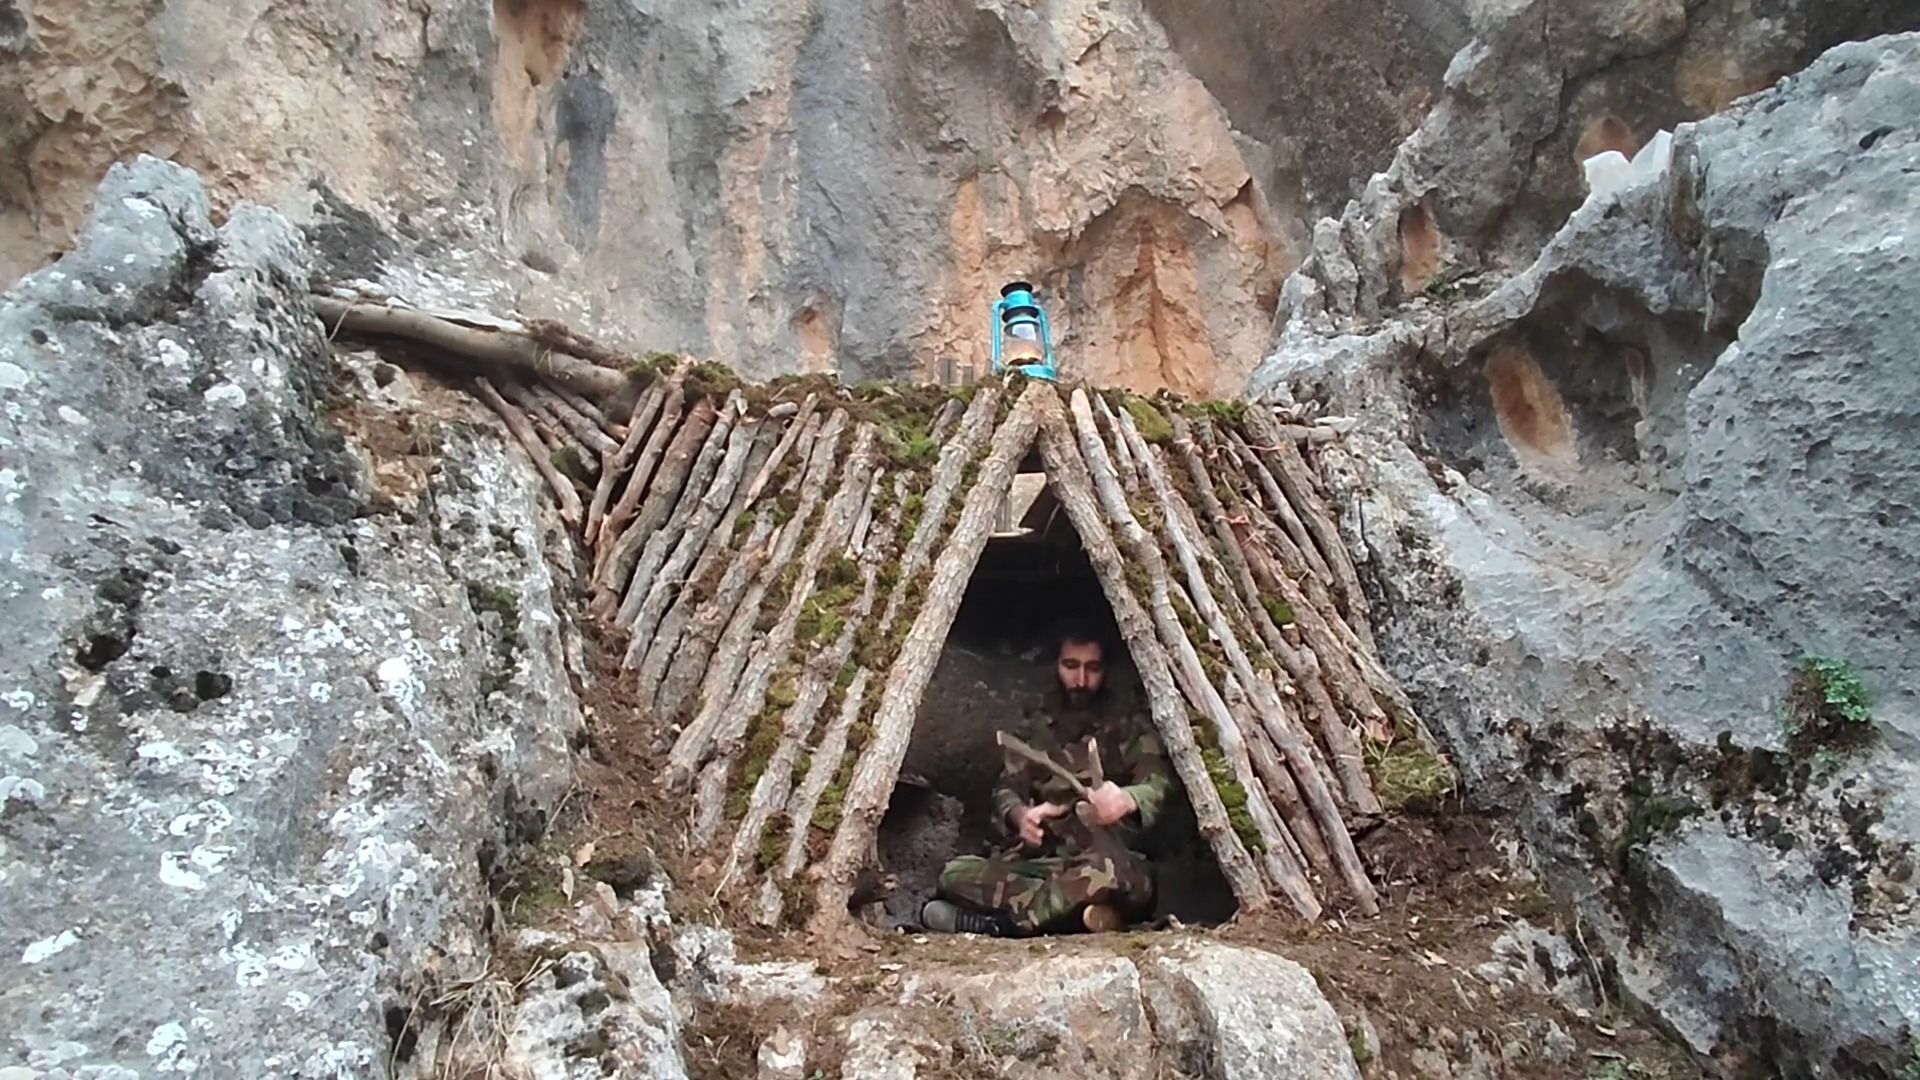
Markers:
(1267, 707)
(625, 543)
(1296, 479)
(569, 500)
(677, 663)
(1305, 669)
(1284, 872)
(583, 427)
(863, 521)
(943, 423)
(651, 644)
(793, 433)
(639, 427)
(1343, 752)
(1122, 453)
(675, 666)
(1228, 596)
(823, 767)
(836, 522)
(552, 431)
(588, 409)
(1301, 829)
(1283, 511)
(1071, 485)
(666, 584)
(1335, 659)
(730, 655)
(948, 470)
(772, 788)
(879, 766)
(516, 351)
(673, 406)
(967, 439)
(687, 500)
(557, 335)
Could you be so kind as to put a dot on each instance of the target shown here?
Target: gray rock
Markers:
(782, 1056)
(1067, 1016)
(252, 767)
(1612, 500)
(1242, 1014)
(1495, 167)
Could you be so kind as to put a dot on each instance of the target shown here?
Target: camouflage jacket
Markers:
(1130, 755)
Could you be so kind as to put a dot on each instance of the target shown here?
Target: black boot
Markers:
(950, 918)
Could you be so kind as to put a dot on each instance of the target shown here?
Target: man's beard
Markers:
(1079, 699)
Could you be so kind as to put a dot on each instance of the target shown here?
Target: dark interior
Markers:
(996, 666)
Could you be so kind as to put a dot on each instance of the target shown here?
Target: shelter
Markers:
(785, 563)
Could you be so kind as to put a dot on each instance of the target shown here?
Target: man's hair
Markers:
(1077, 630)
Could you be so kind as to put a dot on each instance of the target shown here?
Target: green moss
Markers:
(1650, 815)
(1234, 798)
(528, 901)
(567, 460)
(1230, 413)
(1827, 705)
(1405, 772)
(710, 380)
(826, 812)
(1152, 424)
(497, 675)
(763, 737)
(649, 367)
(773, 844)
(495, 598)
(837, 571)
(1278, 610)
(743, 524)
(785, 505)
(782, 693)
(1358, 1047)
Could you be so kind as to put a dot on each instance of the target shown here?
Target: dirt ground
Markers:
(1403, 983)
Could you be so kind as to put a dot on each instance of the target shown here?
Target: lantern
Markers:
(1022, 339)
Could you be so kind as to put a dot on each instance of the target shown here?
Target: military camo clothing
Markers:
(1079, 864)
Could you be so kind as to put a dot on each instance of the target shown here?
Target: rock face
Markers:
(1614, 498)
(268, 700)
(1188, 1007)
(794, 185)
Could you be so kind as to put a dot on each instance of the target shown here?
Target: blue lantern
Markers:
(1022, 338)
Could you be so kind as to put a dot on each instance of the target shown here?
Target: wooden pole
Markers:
(570, 511)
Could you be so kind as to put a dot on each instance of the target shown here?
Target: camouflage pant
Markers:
(1045, 892)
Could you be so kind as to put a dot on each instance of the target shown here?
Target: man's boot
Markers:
(1102, 918)
(950, 918)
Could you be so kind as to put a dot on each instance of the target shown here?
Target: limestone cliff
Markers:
(1624, 503)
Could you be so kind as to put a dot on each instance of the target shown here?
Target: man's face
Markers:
(1080, 669)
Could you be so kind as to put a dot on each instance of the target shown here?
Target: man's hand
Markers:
(1111, 803)
(1030, 822)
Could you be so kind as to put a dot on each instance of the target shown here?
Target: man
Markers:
(1065, 869)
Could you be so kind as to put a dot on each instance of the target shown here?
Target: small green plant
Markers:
(1827, 704)
(1357, 1045)
(1911, 1070)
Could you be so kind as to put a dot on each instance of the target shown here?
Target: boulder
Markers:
(1242, 1014)
(270, 699)
(1612, 500)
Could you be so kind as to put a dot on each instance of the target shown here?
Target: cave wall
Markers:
(795, 185)
(280, 667)
(1611, 501)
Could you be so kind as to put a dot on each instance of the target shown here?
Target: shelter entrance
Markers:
(995, 669)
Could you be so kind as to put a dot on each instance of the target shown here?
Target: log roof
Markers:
(784, 561)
